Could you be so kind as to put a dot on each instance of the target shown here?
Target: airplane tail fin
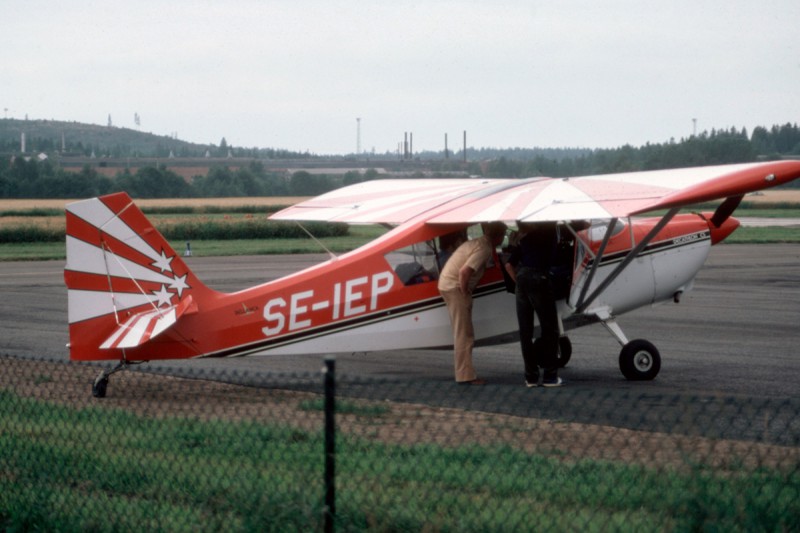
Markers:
(125, 284)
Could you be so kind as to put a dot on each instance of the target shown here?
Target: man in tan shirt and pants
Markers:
(458, 279)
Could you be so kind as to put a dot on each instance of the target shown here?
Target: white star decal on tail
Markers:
(163, 262)
(163, 296)
(179, 284)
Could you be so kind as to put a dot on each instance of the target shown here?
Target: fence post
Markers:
(330, 442)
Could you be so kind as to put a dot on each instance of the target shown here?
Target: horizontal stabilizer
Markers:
(147, 325)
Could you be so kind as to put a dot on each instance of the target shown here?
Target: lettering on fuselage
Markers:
(686, 239)
(347, 299)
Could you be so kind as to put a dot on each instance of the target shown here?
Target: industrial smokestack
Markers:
(465, 146)
(22, 142)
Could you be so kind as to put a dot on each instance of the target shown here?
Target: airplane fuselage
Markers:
(358, 302)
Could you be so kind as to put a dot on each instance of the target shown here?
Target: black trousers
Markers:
(536, 294)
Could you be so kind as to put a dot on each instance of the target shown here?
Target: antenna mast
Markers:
(358, 136)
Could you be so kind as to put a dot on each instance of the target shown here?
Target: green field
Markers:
(37, 233)
(100, 469)
(356, 236)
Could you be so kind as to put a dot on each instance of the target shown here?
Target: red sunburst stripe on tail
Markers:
(101, 282)
(86, 232)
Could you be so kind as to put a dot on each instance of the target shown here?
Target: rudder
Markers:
(118, 266)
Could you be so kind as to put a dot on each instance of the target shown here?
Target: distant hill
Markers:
(75, 138)
(78, 139)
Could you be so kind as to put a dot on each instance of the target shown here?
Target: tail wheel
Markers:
(639, 360)
(564, 351)
(100, 385)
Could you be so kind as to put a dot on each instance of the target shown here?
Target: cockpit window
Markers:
(423, 261)
(599, 228)
(415, 263)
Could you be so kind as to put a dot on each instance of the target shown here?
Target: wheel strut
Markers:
(639, 360)
(616, 331)
(100, 383)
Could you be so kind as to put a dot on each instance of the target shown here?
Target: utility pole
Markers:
(358, 136)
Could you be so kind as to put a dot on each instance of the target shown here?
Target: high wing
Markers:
(621, 195)
(447, 201)
(391, 201)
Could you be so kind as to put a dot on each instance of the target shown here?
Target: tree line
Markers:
(717, 147)
(30, 178)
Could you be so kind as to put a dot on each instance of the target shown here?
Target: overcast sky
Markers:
(296, 74)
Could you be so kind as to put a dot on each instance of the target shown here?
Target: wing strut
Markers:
(596, 263)
(331, 254)
(582, 305)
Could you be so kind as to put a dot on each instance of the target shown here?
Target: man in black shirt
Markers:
(530, 266)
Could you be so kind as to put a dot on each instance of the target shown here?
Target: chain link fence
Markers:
(228, 452)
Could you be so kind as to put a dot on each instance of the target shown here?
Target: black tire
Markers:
(564, 351)
(639, 360)
(99, 387)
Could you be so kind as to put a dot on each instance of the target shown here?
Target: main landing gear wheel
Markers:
(564, 351)
(639, 360)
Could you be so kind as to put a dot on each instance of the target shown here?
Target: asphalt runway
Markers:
(735, 336)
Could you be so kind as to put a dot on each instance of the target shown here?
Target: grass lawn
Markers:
(97, 469)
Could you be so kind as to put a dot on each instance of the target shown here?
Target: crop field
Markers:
(783, 196)
(34, 229)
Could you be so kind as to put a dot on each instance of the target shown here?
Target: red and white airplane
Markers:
(133, 299)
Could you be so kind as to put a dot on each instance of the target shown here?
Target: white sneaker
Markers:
(552, 382)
